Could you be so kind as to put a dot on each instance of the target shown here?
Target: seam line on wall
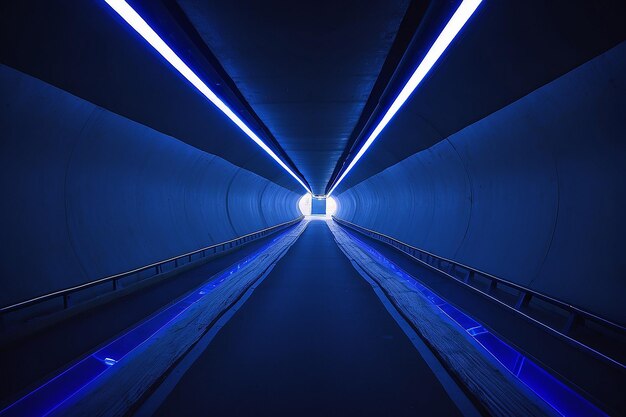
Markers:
(79, 139)
(471, 197)
(556, 221)
(230, 183)
(267, 184)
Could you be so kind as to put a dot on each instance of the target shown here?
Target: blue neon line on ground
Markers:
(53, 393)
(553, 391)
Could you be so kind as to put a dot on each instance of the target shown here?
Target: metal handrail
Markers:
(157, 265)
(525, 293)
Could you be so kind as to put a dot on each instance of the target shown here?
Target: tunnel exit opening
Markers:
(317, 206)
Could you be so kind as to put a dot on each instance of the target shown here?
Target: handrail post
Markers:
(572, 321)
(523, 300)
(469, 276)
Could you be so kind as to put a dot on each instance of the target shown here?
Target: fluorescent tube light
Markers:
(136, 22)
(447, 35)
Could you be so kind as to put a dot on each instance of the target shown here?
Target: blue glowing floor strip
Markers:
(559, 396)
(50, 395)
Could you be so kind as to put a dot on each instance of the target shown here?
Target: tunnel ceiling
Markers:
(306, 68)
(306, 77)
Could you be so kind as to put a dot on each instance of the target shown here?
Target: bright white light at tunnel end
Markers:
(331, 206)
(133, 18)
(445, 38)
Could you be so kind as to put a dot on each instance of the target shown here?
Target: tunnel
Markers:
(328, 208)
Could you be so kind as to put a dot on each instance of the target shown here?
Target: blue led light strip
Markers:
(445, 38)
(53, 393)
(142, 28)
(558, 395)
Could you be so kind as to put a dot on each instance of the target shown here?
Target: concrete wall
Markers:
(533, 193)
(88, 193)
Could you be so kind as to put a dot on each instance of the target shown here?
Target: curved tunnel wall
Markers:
(533, 193)
(88, 193)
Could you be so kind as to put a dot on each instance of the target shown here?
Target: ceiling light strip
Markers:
(447, 35)
(131, 17)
